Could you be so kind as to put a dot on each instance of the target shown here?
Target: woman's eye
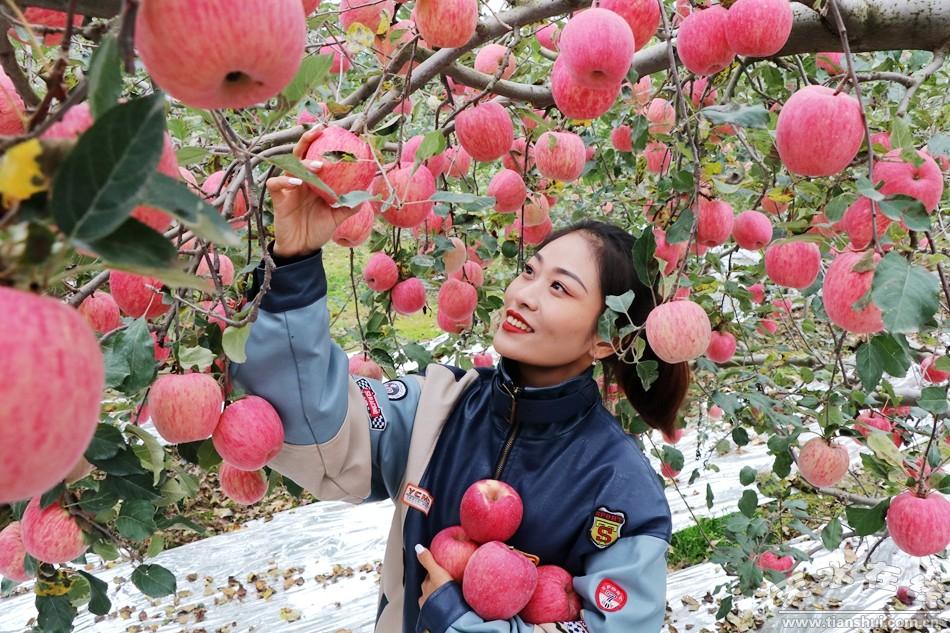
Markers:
(557, 284)
(528, 270)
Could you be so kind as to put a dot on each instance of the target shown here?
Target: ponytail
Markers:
(659, 405)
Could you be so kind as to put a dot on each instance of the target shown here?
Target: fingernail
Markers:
(296, 182)
(316, 164)
(420, 548)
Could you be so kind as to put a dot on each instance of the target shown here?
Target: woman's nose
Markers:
(525, 295)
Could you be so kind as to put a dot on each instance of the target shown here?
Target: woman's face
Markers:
(550, 313)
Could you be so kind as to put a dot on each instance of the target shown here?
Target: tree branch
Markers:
(12, 68)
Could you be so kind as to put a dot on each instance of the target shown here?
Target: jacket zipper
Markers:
(513, 433)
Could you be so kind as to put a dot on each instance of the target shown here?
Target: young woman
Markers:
(592, 502)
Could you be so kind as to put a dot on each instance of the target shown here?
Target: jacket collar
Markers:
(548, 409)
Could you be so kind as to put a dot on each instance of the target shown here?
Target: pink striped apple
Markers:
(185, 407)
(101, 312)
(471, 273)
(446, 23)
(407, 192)
(620, 138)
(823, 463)
(236, 54)
(347, 159)
(362, 365)
(714, 220)
(242, 486)
(356, 229)
(408, 296)
(722, 347)
(856, 222)
(793, 264)
(12, 553)
(928, 369)
(490, 57)
(51, 382)
(214, 186)
(752, 230)
(919, 524)
(844, 286)
(457, 299)
(369, 13)
(498, 581)
(380, 272)
(560, 155)
(485, 131)
(136, 295)
(678, 331)
(642, 16)
(661, 115)
(554, 598)
(925, 183)
(758, 28)
(576, 101)
(658, 157)
(249, 433)
(51, 534)
(452, 548)
(597, 48)
(490, 510)
(508, 189)
(819, 131)
(702, 44)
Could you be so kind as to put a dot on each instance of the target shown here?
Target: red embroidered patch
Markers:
(610, 597)
(377, 421)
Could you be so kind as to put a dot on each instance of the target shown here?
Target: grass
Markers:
(418, 327)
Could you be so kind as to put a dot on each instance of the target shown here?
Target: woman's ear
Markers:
(601, 349)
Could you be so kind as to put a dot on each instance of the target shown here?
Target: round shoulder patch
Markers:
(396, 389)
(610, 596)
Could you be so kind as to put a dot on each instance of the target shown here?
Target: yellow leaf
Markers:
(20, 173)
(359, 37)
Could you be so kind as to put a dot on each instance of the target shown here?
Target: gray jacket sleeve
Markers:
(346, 437)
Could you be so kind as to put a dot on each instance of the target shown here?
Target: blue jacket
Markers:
(592, 502)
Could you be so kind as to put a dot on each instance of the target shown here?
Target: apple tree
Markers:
(782, 164)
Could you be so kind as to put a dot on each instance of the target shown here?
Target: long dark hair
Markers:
(613, 247)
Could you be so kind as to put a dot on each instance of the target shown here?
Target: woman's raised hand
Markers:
(303, 221)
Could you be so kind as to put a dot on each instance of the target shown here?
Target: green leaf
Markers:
(136, 520)
(197, 357)
(52, 495)
(882, 353)
(749, 503)
(647, 371)
(866, 188)
(132, 245)
(908, 209)
(672, 456)
(155, 546)
(418, 354)
(154, 580)
(191, 155)
(620, 303)
(939, 145)
(234, 342)
(747, 475)
(129, 487)
(106, 443)
(432, 144)
(313, 71)
(174, 197)
(682, 228)
(751, 116)
(740, 436)
(883, 447)
(831, 535)
(55, 613)
(725, 606)
(906, 294)
(151, 455)
(105, 76)
(208, 456)
(709, 496)
(943, 363)
(124, 463)
(867, 521)
(835, 209)
(644, 261)
(100, 180)
(130, 358)
(467, 200)
(933, 399)
(99, 603)
(293, 166)
(901, 136)
(353, 199)
(683, 180)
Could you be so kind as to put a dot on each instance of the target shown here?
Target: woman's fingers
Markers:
(280, 187)
(300, 149)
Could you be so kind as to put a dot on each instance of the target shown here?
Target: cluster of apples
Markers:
(498, 581)
(247, 434)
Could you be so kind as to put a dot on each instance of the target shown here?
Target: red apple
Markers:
(236, 54)
(547, 36)
(356, 229)
(380, 272)
(823, 463)
(925, 183)
(661, 115)
(101, 312)
(856, 222)
(843, 287)
(919, 525)
(485, 131)
(408, 296)
(471, 273)
(446, 23)
(498, 581)
(249, 433)
(185, 407)
(758, 28)
(819, 132)
(642, 16)
(929, 371)
(406, 191)
(554, 598)
(508, 189)
(678, 331)
(12, 553)
(576, 101)
(658, 157)
(752, 230)
(347, 159)
(51, 534)
(242, 486)
(490, 510)
(369, 13)
(701, 42)
(489, 59)
(452, 548)
(771, 560)
(560, 155)
(793, 264)
(722, 347)
(714, 220)
(597, 47)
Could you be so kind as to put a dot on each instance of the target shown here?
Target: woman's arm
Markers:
(345, 438)
(623, 589)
